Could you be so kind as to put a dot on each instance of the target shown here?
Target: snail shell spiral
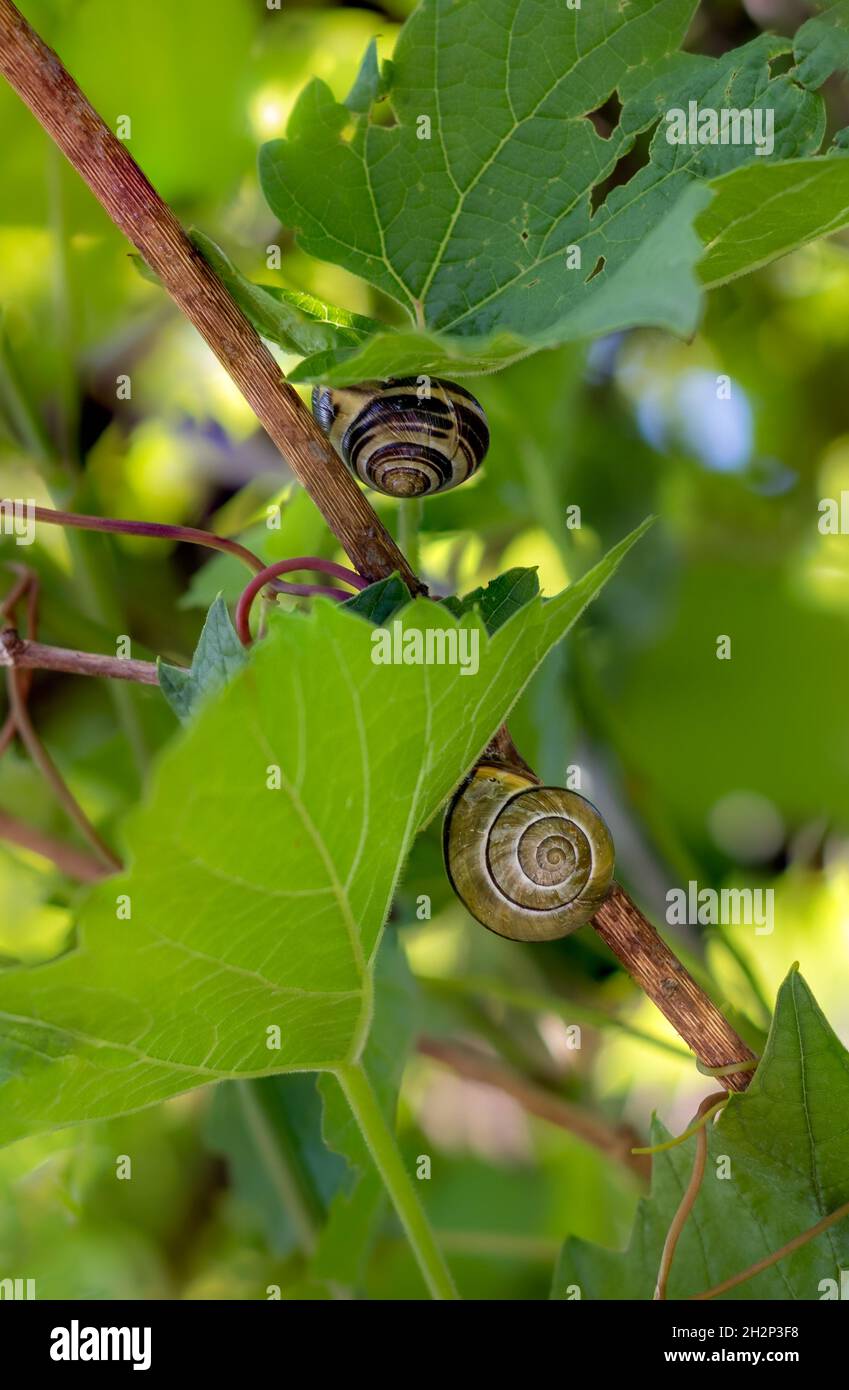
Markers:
(401, 442)
(531, 863)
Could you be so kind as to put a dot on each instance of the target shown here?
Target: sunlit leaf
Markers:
(786, 1165)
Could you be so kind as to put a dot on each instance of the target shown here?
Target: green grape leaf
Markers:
(408, 353)
(767, 209)
(218, 656)
(298, 1159)
(499, 599)
(241, 940)
(764, 212)
(821, 46)
(475, 208)
(296, 321)
(496, 601)
(380, 600)
(786, 1134)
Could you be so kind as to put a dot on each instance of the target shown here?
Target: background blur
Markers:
(721, 771)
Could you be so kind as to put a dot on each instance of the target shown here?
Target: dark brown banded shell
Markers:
(401, 442)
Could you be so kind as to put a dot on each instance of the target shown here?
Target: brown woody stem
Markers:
(37, 74)
(24, 655)
(671, 987)
(112, 174)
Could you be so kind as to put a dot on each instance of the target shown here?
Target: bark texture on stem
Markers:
(112, 174)
(670, 986)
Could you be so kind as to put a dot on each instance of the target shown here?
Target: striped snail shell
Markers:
(400, 441)
(531, 863)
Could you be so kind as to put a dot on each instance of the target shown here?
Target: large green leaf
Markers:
(469, 228)
(311, 1177)
(263, 867)
(763, 212)
(785, 1140)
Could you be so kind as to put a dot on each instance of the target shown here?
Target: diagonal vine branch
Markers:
(38, 76)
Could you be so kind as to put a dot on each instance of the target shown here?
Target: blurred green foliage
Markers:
(717, 770)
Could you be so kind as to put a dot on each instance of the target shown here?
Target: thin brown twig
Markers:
(53, 776)
(17, 591)
(155, 530)
(27, 586)
(475, 1065)
(24, 655)
(679, 1220)
(72, 861)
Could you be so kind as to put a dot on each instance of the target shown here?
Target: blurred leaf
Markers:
(784, 1137)
(219, 655)
(447, 218)
(256, 898)
(269, 1131)
(672, 705)
(821, 46)
(202, 72)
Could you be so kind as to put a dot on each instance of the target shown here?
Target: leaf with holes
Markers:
(486, 209)
(241, 941)
(786, 1134)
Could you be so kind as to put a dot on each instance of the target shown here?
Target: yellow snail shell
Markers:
(400, 441)
(531, 863)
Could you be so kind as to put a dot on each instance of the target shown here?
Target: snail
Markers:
(400, 441)
(529, 862)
